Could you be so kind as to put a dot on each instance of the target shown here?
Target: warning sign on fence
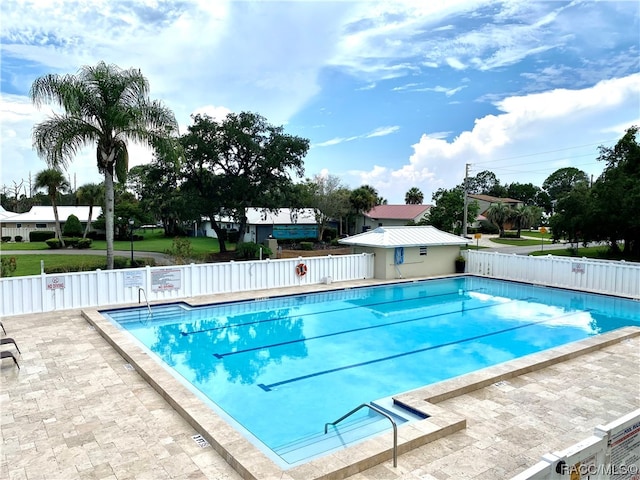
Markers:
(134, 279)
(166, 279)
(54, 283)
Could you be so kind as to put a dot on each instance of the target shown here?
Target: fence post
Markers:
(43, 289)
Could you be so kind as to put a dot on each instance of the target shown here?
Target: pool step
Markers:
(346, 433)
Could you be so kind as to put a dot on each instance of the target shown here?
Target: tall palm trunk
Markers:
(86, 229)
(108, 215)
(57, 219)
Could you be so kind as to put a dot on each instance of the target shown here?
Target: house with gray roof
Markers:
(42, 218)
(284, 223)
(4, 213)
(408, 251)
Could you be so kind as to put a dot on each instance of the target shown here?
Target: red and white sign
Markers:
(54, 283)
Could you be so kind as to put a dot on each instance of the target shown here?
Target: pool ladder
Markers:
(140, 289)
(381, 412)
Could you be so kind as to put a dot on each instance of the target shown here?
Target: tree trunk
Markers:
(86, 229)
(241, 229)
(219, 234)
(55, 215)
(108, 215)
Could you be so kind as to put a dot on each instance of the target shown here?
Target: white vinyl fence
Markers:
(49, 292)
(611, 453)
(608, 277)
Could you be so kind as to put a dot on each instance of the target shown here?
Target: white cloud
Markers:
(247, 55)
(19, 161)
(218, 113)
(382, 131)
(378, 132)
(455, 63)
(533, 136)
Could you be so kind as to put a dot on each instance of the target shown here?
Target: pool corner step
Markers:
(348, 432)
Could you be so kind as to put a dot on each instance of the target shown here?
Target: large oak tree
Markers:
(239, 162)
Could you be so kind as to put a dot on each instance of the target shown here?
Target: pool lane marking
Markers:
(359, 329)
(268, 388)
(184, 334)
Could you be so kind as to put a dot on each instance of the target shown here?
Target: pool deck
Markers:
(78, 409)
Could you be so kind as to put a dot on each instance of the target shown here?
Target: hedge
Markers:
(41, 235)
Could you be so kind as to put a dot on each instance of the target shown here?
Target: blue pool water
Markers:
(282, 367)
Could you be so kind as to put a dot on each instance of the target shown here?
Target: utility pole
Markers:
(466, 201)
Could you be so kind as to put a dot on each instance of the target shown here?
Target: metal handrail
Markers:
(140, 289)
(381, 412)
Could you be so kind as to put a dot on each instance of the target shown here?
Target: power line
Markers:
(515, 167)
(526, 155)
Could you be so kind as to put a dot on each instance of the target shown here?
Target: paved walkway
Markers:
(75, 411)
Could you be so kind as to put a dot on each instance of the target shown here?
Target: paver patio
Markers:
(75, 410)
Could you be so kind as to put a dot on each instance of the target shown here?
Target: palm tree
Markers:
(54, 181)
(524, 217)
(414, 196)
(91, 193)
(363, 199)
(106, 106)
(498, 214)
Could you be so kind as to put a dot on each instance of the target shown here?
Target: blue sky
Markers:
(394, 94)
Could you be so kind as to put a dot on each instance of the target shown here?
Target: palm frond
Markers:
(59, 138)
(53, 180)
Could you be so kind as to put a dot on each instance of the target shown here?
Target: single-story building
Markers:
(286, 223)
(42, 218)
(409, 251)
(4, 213)
(391, 215)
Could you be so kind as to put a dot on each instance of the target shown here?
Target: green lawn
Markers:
(200, 246)
(30, 264)
(519, 242)
(154, 241)
(535, 233)
(600, 252)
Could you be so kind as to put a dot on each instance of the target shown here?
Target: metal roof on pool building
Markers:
(408, 236)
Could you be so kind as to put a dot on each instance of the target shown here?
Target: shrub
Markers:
(94, 235)
(488, 227)
(251, 250)
(143, 262)
(119, 262)
(41, 235)
(232, 236)
(72, 227)
(84, 243)
(7, 266)
(18, 238)
(180, 250)
(71, 241)
(329, 234)
(53, 243)
(6, 239)
(573, 251)
(306, 245)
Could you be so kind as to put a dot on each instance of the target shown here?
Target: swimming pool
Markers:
(283, 367)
